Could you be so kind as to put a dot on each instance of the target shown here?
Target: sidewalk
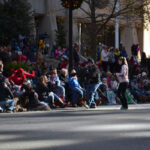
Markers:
(102, 108)
(105, 108)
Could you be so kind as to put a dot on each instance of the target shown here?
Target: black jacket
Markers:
(32, 99)
(93, 75)
(5, 93)
(30, 95)
(76, 56)
(83, 77)
(63, 78)
(42, 91)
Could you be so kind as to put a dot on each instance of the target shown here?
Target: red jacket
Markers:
(21, 58)
(20, 76)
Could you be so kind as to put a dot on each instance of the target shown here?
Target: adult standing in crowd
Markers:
(2, 77)
(76, 55)
(111, 60)
(104, 55)
(93, 76)
(144, 61)
(99, 47)
(1, 68)
(124, 82)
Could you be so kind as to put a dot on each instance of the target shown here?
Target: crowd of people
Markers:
(112, 80)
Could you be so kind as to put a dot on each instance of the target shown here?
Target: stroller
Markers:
(102, 91)
(108, 96)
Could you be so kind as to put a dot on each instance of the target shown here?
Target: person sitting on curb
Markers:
(54, 83)
(30, 99)
(46, 95)
(6, 98)
(74, 85)
(19, 76)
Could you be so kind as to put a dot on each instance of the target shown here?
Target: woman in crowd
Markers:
(104, 55)
(31, 98)
(111, 60)
(124, 82)
(46, 95)
(55, 84)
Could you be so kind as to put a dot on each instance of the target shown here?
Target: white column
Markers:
(80, 33)
(146, 41)
(75, 32)
(51, 8)
(134, 33)
(117, 28)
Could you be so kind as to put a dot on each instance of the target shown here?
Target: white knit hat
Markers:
(144, 74)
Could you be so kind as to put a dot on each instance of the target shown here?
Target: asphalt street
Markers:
(106, 128)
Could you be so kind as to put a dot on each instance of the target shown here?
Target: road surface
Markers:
(106, 128)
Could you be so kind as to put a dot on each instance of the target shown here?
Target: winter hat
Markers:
(90, 60)
(27, 82)
(20, 70)
(144, 74)
(104, 79)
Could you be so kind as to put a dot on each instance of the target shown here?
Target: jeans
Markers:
(121, 93)
(60, 91)
(8, 103)
(52, 98)
(91, 92)
(76, 92)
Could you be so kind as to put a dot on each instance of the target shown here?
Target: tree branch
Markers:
(86, 12)
(109, 17)
(87, 1)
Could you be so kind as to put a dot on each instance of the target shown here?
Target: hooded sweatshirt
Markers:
(123, 75)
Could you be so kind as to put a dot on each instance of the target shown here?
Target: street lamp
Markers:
(117, 27)
(72, 5)
(71, 61)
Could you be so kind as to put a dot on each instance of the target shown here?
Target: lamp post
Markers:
(117, 28)
(72, 5)
(71, 61)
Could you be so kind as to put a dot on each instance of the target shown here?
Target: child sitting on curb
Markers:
(76, 89)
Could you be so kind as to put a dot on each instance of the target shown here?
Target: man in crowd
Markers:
(93, 76)
(6, 96)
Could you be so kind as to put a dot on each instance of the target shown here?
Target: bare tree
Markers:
(97, 20)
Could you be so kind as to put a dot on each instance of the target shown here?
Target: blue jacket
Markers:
(73, 83)
(56, 80)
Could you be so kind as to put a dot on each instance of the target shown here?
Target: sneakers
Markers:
(74, 105)
(93, 106)
(53, 106)
(1, 110)
(86, 106)
(64, 105)
(123, 108)
(9, 111)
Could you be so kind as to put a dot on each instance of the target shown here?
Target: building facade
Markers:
(46, 13)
